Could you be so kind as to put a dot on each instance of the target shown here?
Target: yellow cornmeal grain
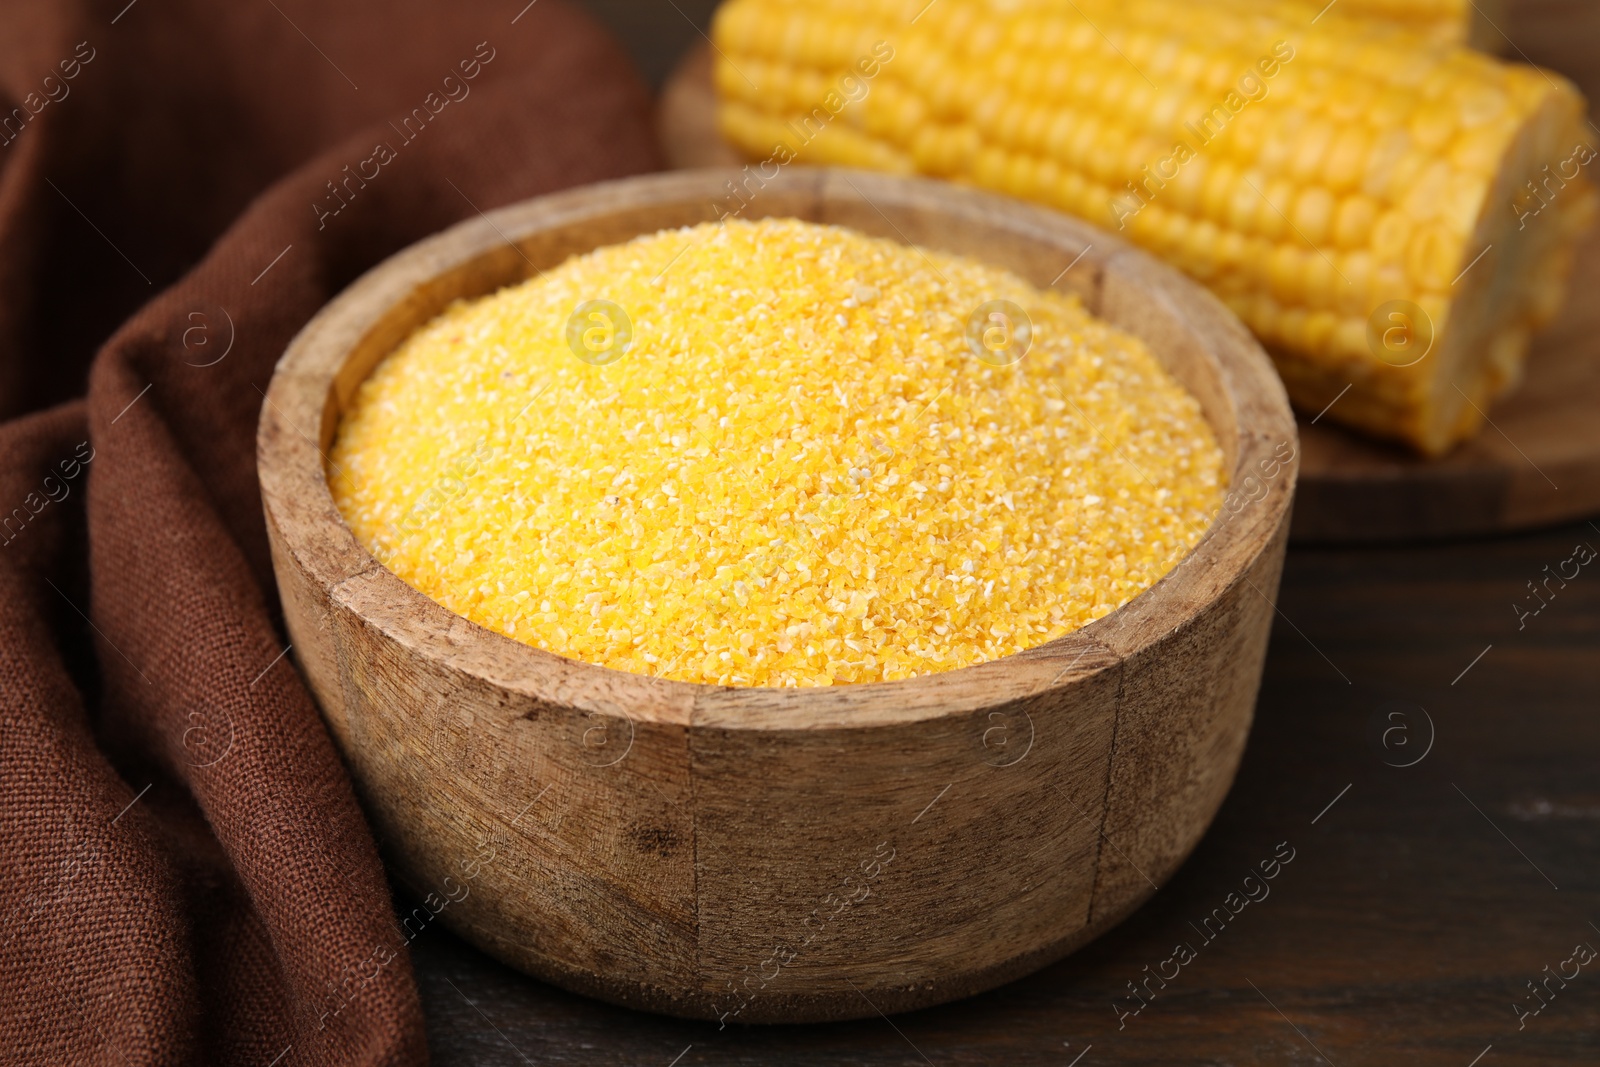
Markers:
(798, 472)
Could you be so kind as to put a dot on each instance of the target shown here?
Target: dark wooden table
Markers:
(1432, 758)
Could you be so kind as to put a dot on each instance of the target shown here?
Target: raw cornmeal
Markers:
(797, 473)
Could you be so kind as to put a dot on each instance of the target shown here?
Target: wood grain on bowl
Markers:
(783, 854)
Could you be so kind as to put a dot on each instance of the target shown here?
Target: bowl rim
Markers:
(294, 430)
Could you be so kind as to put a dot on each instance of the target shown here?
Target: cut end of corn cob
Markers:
(1393, 217)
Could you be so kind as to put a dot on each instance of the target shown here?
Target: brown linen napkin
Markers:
(185, 874)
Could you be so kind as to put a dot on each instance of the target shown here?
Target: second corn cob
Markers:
(1445, 21)
(1357, 194)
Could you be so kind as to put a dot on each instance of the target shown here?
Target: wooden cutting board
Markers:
(1537, 463)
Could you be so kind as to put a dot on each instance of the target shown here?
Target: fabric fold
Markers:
(191, 878)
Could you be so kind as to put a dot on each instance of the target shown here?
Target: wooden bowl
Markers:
(782, 855)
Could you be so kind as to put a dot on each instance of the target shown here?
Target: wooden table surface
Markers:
(1430, 755)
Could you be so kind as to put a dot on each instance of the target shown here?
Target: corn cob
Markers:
(1356, 193)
